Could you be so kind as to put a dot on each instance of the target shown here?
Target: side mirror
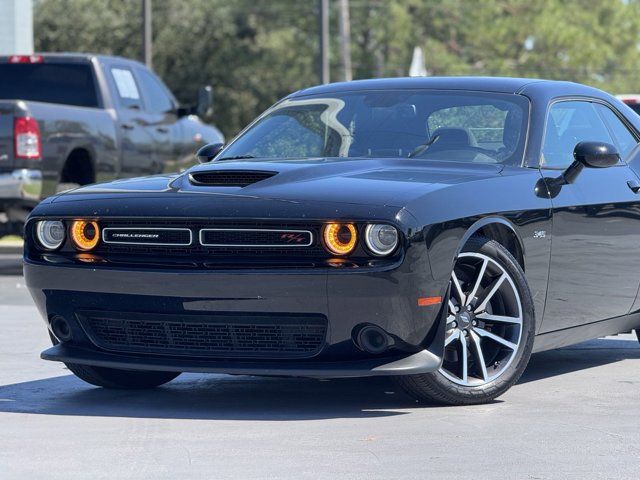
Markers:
(590, 155)
(209, 151)
(204, 106)
(596, 154)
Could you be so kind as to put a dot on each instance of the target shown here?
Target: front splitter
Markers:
(417, 363)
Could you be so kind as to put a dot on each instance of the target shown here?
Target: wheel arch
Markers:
(79, 166)
(499, 229)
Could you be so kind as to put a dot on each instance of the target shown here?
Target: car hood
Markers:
(381, 182)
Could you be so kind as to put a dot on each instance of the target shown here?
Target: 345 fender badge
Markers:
(539, 234)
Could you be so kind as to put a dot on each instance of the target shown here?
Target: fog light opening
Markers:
(373, 340)
(61, 328)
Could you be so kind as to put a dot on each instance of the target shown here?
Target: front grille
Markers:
(219, 336)
(246, 237)
(229, 178)
(148, 236)
(232, 242)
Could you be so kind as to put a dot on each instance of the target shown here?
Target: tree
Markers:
(254, 52)
(251, 52)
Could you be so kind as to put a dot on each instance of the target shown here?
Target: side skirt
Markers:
(581, 333)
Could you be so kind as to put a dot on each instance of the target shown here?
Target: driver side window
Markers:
(568, 124)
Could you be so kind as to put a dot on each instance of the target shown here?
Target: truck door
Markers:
(138, 156)
(162, 119)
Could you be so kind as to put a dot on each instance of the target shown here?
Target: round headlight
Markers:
(85, 234)
(50, 234)
(381, 239)
(340, 238)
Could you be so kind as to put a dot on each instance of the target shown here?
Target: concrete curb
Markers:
(10, 249)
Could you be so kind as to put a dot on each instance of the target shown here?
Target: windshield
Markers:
(460, 126)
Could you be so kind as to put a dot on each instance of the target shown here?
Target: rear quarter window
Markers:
(624, 139)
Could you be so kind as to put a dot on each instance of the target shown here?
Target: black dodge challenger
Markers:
(438, 230)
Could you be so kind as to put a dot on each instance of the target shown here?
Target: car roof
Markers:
(485, 84)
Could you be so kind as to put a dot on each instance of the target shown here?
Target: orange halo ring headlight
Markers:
(85, 234)
(340, 238)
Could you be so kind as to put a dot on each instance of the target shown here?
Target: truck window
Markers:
(156, 98)
(126, 87)
(69, 84)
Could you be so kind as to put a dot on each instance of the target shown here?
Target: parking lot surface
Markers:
(575, 414)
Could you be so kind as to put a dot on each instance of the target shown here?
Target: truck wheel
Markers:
(489, 332)
(78, 170)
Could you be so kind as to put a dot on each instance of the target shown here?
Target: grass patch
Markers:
(11, 241)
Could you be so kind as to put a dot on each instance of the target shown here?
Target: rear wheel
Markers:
(489, 332)
(638, 333)
(77, 171)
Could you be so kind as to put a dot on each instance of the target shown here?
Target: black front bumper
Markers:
(387, 298)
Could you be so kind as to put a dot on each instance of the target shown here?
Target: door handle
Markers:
(127, 126)
(162, 129)
(633, 185)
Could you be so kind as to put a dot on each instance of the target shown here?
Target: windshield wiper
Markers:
(236, 157)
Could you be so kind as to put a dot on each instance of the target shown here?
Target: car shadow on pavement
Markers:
(224, 397)
(213, 397)
(593, 353)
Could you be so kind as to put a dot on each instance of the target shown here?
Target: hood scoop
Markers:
(229, 178)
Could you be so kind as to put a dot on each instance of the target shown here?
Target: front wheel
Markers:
(120, 379)
(489, 332)
(117, 378)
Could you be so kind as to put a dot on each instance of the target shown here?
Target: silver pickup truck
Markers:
(73, 119)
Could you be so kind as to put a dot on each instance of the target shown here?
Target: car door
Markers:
(162, 119)
(136, 142)
(595, 253)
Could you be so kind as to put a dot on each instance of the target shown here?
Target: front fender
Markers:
(489, 221)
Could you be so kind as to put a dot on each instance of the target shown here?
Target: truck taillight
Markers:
(26, 59)
(26, 137)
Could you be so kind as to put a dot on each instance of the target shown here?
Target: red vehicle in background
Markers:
(632, 100)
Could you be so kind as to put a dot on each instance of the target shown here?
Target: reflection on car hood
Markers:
(383, 182)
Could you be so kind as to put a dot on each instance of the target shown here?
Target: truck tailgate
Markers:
(7, 109)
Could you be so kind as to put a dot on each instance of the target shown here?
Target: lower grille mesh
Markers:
(207, 336)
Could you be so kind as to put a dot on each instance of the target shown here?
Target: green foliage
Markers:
(255, 51)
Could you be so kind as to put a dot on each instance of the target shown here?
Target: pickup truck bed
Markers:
(25, 181)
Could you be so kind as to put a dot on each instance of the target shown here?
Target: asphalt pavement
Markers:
(575, 414)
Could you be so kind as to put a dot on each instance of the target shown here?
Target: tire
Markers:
(120, 379)
(500, 327)
(116, 378)
(638, 333)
